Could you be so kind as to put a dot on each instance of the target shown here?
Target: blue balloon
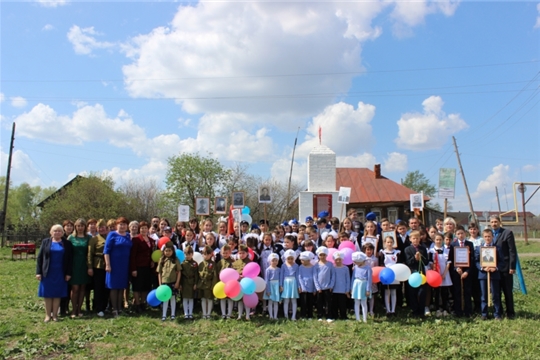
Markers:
(248, 286)
(415, 280)
(387, 276)
(246, 210)
(180, 255)
(151, 299)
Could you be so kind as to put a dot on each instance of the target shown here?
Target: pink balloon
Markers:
(251, 270)
(347, 256)
(229, 274)
(232, 288)
(251, 301)
(347, 245)
(330, 256)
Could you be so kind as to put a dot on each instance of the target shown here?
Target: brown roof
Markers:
(366, 188)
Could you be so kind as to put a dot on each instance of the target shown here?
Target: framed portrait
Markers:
(265, 194)
(238, 199)
(344, 195)
(417, 202)
(392, 234)
(183, 213)
(461, 256)
(488, 256)
(202, 206)
(220, 205)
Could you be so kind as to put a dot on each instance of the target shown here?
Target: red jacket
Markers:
(141, 253)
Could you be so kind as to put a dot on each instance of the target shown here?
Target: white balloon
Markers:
(260, 284)
(247, 217)
(402, 271)
(197, 256)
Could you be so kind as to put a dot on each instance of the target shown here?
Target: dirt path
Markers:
(529, 255)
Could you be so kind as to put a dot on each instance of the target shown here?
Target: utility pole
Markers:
(464, 181)
(498, 201)
(6, 191)
(522, 188)
(290, 173)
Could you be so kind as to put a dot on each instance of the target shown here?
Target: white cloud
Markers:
(239, 57)
(430, 129)
(344, 129)
(537, 24)
(87, 123)
(22, 168)
(408, 14)
(395, 162)
(365, 160)
(84, 40)
(2, 97)
(281, 169)
(18, 101)
(52, 3)
(531, 168)
(47, 27)
(498, 177)
(154, 170)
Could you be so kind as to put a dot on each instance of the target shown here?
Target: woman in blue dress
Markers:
(117, 253)
(54, 266)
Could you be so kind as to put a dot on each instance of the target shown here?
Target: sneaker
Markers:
(319, 320)
(101, 314)
(426, 311)
(186, 317)
(445, 313)
(329, 320)
(223, 317)
(438, 313)
(163, 318)
(173, 317)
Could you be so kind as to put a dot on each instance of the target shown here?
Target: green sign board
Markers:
(447, 183)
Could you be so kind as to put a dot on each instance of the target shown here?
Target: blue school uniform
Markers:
(324, 276)
(343, 281)
(289, 281)
(306, 278)
(360, 281)
(272, 277)
(495, 284)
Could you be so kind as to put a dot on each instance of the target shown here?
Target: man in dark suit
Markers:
(504, 240)
(460, 275)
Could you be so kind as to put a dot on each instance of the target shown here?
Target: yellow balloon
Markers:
(219, 290)
(156, 255)
(423, 279)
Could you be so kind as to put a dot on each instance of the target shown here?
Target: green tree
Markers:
(191, 175)
(87, 197)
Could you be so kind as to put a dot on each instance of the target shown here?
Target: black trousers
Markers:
(339, 306)
(101, 293)
(417, 299)
(324, 304)
(475, 289)
(466, 308)
(441, 296)
(64, 302)
(507, 285)
(306, 305)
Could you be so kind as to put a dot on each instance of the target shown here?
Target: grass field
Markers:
(24, 335)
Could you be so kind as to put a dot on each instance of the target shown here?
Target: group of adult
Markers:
(108, 255)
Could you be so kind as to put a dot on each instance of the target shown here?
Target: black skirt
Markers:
(143, 281)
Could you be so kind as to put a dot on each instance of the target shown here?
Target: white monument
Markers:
(321, 194)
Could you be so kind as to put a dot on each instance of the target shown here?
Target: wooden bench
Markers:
(19, 249)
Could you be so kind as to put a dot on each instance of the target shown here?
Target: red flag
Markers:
(230, 222)
(320, 134)
(436, 262)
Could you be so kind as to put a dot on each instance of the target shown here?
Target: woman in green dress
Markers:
(79, 239)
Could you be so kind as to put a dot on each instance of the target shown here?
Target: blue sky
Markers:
(117, 87)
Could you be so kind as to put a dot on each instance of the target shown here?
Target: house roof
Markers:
(367, 188)
(48, 198)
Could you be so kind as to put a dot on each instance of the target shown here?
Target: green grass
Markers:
(532, 248)
(24, 335)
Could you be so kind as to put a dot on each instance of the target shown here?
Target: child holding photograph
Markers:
(460, 275)
(489, 261)
(342, 287)
(169, 273)
(438, 258)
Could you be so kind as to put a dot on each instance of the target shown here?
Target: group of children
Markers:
(298, 271)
